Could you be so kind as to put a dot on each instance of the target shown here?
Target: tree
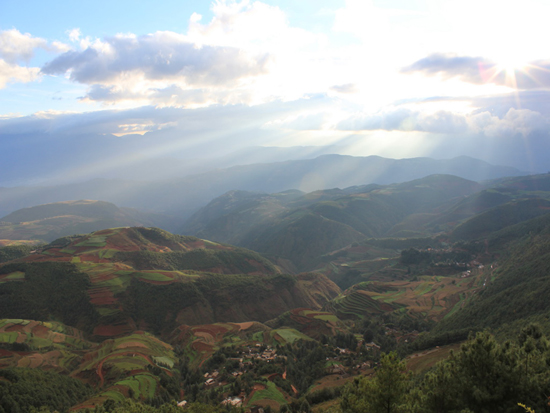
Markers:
(385, 393)
(486, 376)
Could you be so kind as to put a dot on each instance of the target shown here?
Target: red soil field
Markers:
(211, 329)
(14, 327)
(40, 330)
(300, 320)
(244, 326)
(102, 296)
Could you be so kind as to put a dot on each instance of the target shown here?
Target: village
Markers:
(342, 364)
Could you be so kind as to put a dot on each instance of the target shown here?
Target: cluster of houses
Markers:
(268, 354)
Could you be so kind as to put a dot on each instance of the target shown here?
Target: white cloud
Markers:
(16, 47)
(13, 73)
(74, 34)
(247, 53)
(251, 26)
(126, 67)
(515, 122)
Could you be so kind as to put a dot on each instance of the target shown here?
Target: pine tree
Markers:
(385, 393)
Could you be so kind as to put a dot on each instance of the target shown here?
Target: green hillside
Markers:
(141, 314)
(115, 281)
(518, 287)
(51, 221)
(495, 219)
(303, 228)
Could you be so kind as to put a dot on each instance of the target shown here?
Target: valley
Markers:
(280, 301)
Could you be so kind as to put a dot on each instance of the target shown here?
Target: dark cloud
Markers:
(478, 70)
(158, 56)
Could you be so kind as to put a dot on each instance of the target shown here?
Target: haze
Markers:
(105, 87)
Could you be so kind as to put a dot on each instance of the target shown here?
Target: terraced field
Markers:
(48, 345)
(115, 258)
(433, 296)
(122, 367)
(201, 341)
(310, 323)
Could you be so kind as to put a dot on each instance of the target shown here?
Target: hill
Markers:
(516, 285)
(495, 219)
(108, 291)
(115, 281)
(183, 196)
(303, 228)
(51, 221)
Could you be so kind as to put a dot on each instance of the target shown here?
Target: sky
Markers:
(89, 86)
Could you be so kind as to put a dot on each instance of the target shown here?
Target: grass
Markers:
(153, 276)
(8, 337)
(165, 361)
(290, 335)
(148, 385)
(94, 241)
(16, 275)
(270, 393)
(326, 317)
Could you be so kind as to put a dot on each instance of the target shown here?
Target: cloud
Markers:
(129, 67)
(346, 88)
(534, 100)
(16, 47)
(302, 122)
(13, 73)
(253, 26)
(516, 122)
(478, 70)
(74, 34)
(86, 145)
(247, 53)
(229, 119)
(158, 56)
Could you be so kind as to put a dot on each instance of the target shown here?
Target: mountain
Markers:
(115, 281)
(140, 313)
(516, 289)
(183, 196)
(497, 218)
(50, 221)
(302, 228)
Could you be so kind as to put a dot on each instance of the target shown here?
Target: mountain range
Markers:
(183, 196)
(271, 297)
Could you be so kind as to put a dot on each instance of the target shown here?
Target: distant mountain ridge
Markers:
(185, 195)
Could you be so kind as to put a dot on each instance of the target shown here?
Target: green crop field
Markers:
(153, 276)
(270, 393)
(289, 335)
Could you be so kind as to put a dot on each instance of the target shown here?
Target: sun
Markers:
(507, 68)
(510, 65)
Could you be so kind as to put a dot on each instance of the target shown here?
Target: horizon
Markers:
(90, 92)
